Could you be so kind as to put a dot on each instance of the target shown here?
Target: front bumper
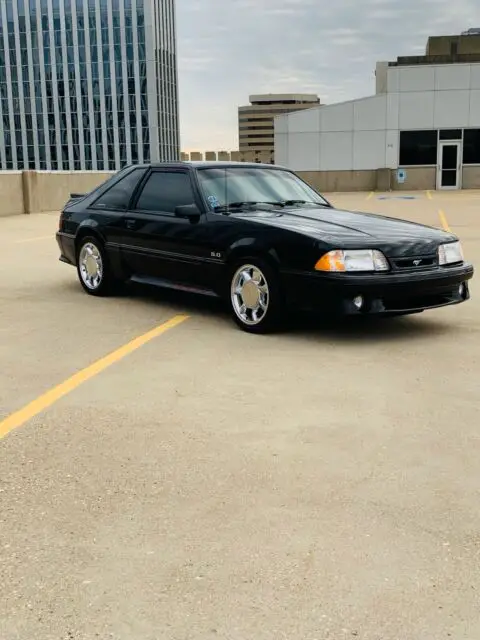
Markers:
(66, 244)
(382, 293)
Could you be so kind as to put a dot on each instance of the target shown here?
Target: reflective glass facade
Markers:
(87, 84)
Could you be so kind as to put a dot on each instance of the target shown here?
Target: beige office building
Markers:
(465, 44)
(255, 121)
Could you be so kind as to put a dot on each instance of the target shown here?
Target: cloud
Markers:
(195, 64)
(229, 49)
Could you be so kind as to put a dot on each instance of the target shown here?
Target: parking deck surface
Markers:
(318, 484)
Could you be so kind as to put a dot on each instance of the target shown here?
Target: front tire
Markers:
(255, 298)
(93, 268)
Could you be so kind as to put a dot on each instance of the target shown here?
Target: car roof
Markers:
(205, 164)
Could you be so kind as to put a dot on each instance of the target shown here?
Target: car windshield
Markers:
(239, 186)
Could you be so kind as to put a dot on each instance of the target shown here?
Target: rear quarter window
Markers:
(119, 195)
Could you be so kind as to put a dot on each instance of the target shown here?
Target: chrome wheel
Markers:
(91, 266)
(250, 294)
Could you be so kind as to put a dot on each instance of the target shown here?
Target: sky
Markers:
(229, 49)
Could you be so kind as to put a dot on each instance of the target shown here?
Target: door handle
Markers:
(130, 224)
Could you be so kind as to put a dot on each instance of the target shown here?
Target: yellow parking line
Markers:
(443, 220)
(370, 195)
(44, 401)
(51, 237)
(429, 195)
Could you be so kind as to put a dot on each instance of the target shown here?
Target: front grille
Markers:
(416, 262)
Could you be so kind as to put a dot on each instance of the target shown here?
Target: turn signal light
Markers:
(332, 261)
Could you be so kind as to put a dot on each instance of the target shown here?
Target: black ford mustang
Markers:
(259, 237)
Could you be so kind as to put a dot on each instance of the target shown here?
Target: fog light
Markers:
(358, 302)
(461, 290)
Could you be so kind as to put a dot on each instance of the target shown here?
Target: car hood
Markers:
(354, 229)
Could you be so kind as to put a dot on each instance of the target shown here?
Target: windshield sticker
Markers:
(213, 201)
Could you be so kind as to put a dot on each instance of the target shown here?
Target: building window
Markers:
(257, 144)
(252, 134)
(256, 120)
(257, 127)
(450, 134)
(418, 147)
(471, 146)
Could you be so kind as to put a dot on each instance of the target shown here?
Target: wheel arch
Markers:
(112, 254)
(86, 230)
(251, 248)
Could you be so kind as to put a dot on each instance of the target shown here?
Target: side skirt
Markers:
(168, 284)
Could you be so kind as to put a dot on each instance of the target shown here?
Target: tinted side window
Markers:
(118, 196)
(164, 191)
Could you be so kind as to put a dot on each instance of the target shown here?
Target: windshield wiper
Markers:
(289, 203)
(224, 208)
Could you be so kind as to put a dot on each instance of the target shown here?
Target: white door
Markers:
(449, 165)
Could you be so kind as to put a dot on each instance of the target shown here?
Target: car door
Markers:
(158, 243)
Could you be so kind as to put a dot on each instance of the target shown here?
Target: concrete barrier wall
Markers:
(53, 188)
(11, 193)
(44, 191)
(471, 177)
(334, 181)
(417, 179)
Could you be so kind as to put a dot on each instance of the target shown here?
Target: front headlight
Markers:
(353, 260)
(450, 253)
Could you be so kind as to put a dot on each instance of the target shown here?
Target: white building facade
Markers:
(420, 131)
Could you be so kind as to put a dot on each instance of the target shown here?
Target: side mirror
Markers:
(190, 211)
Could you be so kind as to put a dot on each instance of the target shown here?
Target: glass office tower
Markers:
(87, 84)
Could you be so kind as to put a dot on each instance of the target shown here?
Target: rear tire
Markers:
(93, 268)
(254, 296)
